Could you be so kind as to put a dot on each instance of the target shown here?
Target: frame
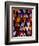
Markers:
(24, 13)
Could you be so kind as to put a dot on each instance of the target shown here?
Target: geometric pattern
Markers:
(21, 22)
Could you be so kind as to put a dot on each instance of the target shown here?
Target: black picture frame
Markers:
(7, 4)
